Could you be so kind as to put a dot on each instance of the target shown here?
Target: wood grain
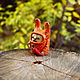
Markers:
(24, 65)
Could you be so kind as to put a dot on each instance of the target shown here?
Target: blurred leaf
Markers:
(9, 6)
(75, 14)
(64, 31)
(21, 5)
(72, 1)
(2, 23)
(21, 46)
(64, 18)
(1, 8)
(22, 40)
(77, 30)
(54, 35)
(15, 42)
(1, 17)
(69, 18)
(1, 30)
(26, 46)
(68, 38)
(73, 23)
(67, 13)
(64, 2)
(78, 25)
(69, 8)
(18, 2)
(78, 21)
(7, 12)
(23, 30)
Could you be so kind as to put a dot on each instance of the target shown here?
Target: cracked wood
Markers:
(23, 65)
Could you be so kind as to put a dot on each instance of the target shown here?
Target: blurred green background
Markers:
(17, 22)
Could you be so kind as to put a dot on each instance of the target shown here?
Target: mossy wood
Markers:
(23, 65)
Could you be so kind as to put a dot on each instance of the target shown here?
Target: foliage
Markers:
(20, 22)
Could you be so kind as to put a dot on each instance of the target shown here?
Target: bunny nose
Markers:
(34, 40)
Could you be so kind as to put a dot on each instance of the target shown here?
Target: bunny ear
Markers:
(37, 24)
(47, 28)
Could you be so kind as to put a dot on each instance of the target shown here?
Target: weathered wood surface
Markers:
(23, 65)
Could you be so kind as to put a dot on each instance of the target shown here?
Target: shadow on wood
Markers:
(23, 65)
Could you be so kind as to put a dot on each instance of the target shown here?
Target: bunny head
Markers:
(40, 39)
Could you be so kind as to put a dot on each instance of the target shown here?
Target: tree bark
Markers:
(24, 65)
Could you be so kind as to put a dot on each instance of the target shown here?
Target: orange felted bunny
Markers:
(40, 39)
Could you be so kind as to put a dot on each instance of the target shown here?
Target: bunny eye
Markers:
(33, 35)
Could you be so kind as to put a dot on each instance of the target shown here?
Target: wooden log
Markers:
(24, 65)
